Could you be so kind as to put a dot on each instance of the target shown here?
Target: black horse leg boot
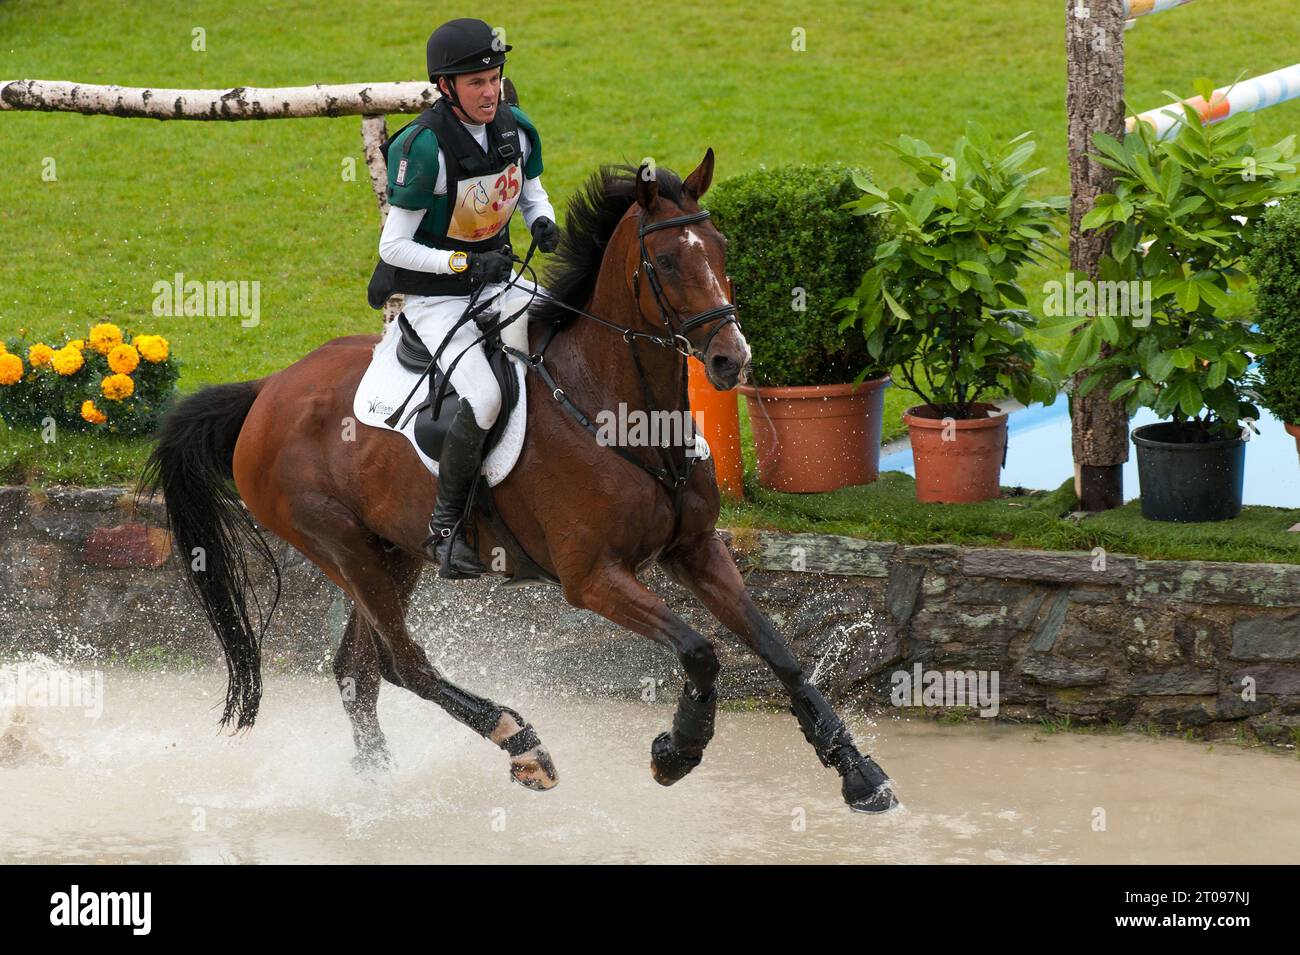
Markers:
(458, 468)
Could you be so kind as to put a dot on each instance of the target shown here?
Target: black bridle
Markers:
(726, 311)
(669, 474)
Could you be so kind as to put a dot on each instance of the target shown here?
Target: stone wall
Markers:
(1092, 638)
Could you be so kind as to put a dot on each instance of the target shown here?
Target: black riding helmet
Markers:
(465, 45)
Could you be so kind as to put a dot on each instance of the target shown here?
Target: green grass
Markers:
(154, 659)
(138, 200)
(888, 511)
(73, 458)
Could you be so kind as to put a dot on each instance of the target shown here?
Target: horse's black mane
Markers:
(594, 212)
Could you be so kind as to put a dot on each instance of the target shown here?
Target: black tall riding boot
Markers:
(458, 468)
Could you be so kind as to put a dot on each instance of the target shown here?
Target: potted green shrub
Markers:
(1275, 264)
(942, 303)
(792, 253)
(1183, 216)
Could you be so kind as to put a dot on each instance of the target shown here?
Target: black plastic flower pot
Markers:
(1185, 480)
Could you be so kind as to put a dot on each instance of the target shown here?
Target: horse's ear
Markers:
(647, 186)
(697, 183)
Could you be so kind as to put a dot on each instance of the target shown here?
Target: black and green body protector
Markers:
(482, 191)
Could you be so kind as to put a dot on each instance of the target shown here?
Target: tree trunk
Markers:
(1094, 103)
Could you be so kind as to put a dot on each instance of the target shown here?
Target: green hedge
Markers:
(785, 230)
(1275, 263)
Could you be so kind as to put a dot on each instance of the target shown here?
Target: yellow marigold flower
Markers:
(124, 359)
(67, 360)
(153, 348)
(11, 369)
(91, 413)
(117, 387)
(78, 343)
(40, 354)
(3, 350)
(105, 337)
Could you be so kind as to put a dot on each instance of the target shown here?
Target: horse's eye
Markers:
(665, 262)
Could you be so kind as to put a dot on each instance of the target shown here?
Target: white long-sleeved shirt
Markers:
(397, 245)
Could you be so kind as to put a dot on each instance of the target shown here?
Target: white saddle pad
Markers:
(386, 383)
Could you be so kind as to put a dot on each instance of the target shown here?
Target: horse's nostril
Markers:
(722, 365)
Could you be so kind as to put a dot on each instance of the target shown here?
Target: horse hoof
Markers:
(534, 770)
(374, 762)
(866, 787)
(882, 800)
(667, 763)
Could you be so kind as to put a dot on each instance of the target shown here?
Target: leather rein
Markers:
(673, 478)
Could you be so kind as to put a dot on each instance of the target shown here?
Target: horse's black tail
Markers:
(192, 466)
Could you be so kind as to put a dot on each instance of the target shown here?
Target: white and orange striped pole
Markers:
(1140, 8)
(1245, 97)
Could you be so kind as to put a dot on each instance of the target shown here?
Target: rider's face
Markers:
(479, 94)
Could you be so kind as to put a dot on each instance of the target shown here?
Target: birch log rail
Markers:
(240, 102)
(370, 101)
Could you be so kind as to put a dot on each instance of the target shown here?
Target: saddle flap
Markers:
(430, 431)
(411, 351)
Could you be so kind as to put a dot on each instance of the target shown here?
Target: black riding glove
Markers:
(488, 268)
(547, 234)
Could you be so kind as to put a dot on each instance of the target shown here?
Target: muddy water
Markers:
(149, 780)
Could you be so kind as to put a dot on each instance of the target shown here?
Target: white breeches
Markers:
(432, 316)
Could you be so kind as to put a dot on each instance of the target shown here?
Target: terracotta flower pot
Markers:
(957, 461)
(817, 437)
(1294, 431)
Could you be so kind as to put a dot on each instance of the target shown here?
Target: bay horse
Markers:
(639, 256)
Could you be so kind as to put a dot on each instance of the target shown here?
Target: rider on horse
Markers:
(452, 186)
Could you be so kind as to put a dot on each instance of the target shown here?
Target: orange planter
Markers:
(957, 461)
(1294, 431)
(818, 437)
(720, 426)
